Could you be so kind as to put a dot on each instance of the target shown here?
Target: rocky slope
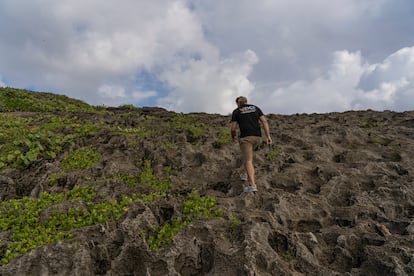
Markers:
(335, 196)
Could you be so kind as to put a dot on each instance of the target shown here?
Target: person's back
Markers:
(247, 117)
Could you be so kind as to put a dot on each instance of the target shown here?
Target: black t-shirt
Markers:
(247, 117)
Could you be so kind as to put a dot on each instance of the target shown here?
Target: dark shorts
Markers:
(247, 144)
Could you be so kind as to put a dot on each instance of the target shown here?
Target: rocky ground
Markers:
(336, 197)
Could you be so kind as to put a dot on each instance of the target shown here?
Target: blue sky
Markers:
(287, 56)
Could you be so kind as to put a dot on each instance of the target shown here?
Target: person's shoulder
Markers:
(259, 110)
(234, 114)
(253, 105)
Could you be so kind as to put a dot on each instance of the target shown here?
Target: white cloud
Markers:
(388, 85)
(112, 92)
(116, 95)
(205, 53)
(209, 86)
(80, 47)
(294, 39)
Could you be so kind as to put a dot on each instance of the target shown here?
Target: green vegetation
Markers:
(235, 222)
(130, 180)
(167, 232)
(80, 159)
(195, 207)
(273, 154)
(368, 124)
(148, 178)
(25, 139)
(141, 131)
(223, 138)
(23, 142)
(187, 123)
(68, 123)
(290, 254)
(396, 147)
(12, 99)
(42, 136)
(22, 218)
(379, 140)
(169, 145)
(200, 207)
(128, 107)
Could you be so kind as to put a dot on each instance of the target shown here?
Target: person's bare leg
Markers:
(248, 165)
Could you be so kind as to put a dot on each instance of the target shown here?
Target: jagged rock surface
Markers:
(337, 200)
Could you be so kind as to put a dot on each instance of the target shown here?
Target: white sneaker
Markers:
(250, 189)
(243, 177)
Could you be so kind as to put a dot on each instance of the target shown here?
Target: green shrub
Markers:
(223, 138)
(200, 207)
(24, 100)
(22, 218)
(81, 158)
(147, 177)
(188, 123)
(273, 154)
(195, 207)
(24, 143)
(169, 145)
(235, 222)
(140, 131)
(167, 232)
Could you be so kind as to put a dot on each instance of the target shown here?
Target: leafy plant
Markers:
(235, 222)
(200, 207)
(22, 218)
(195, 207)
(23, 143)
(81, 158)
(148, 178)
(167, 232)
(72, 124)
(130, 180)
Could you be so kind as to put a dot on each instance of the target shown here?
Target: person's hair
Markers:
(241, 100)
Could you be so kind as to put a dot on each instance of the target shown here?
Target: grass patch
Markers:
(12, 99)
(140, 131)
(168, 146)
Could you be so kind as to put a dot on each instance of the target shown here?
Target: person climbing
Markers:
(247, 117)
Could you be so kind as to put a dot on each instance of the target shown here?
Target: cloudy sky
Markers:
(287, 56)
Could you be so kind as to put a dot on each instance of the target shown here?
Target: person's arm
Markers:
(233, 131)
(266, 128)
